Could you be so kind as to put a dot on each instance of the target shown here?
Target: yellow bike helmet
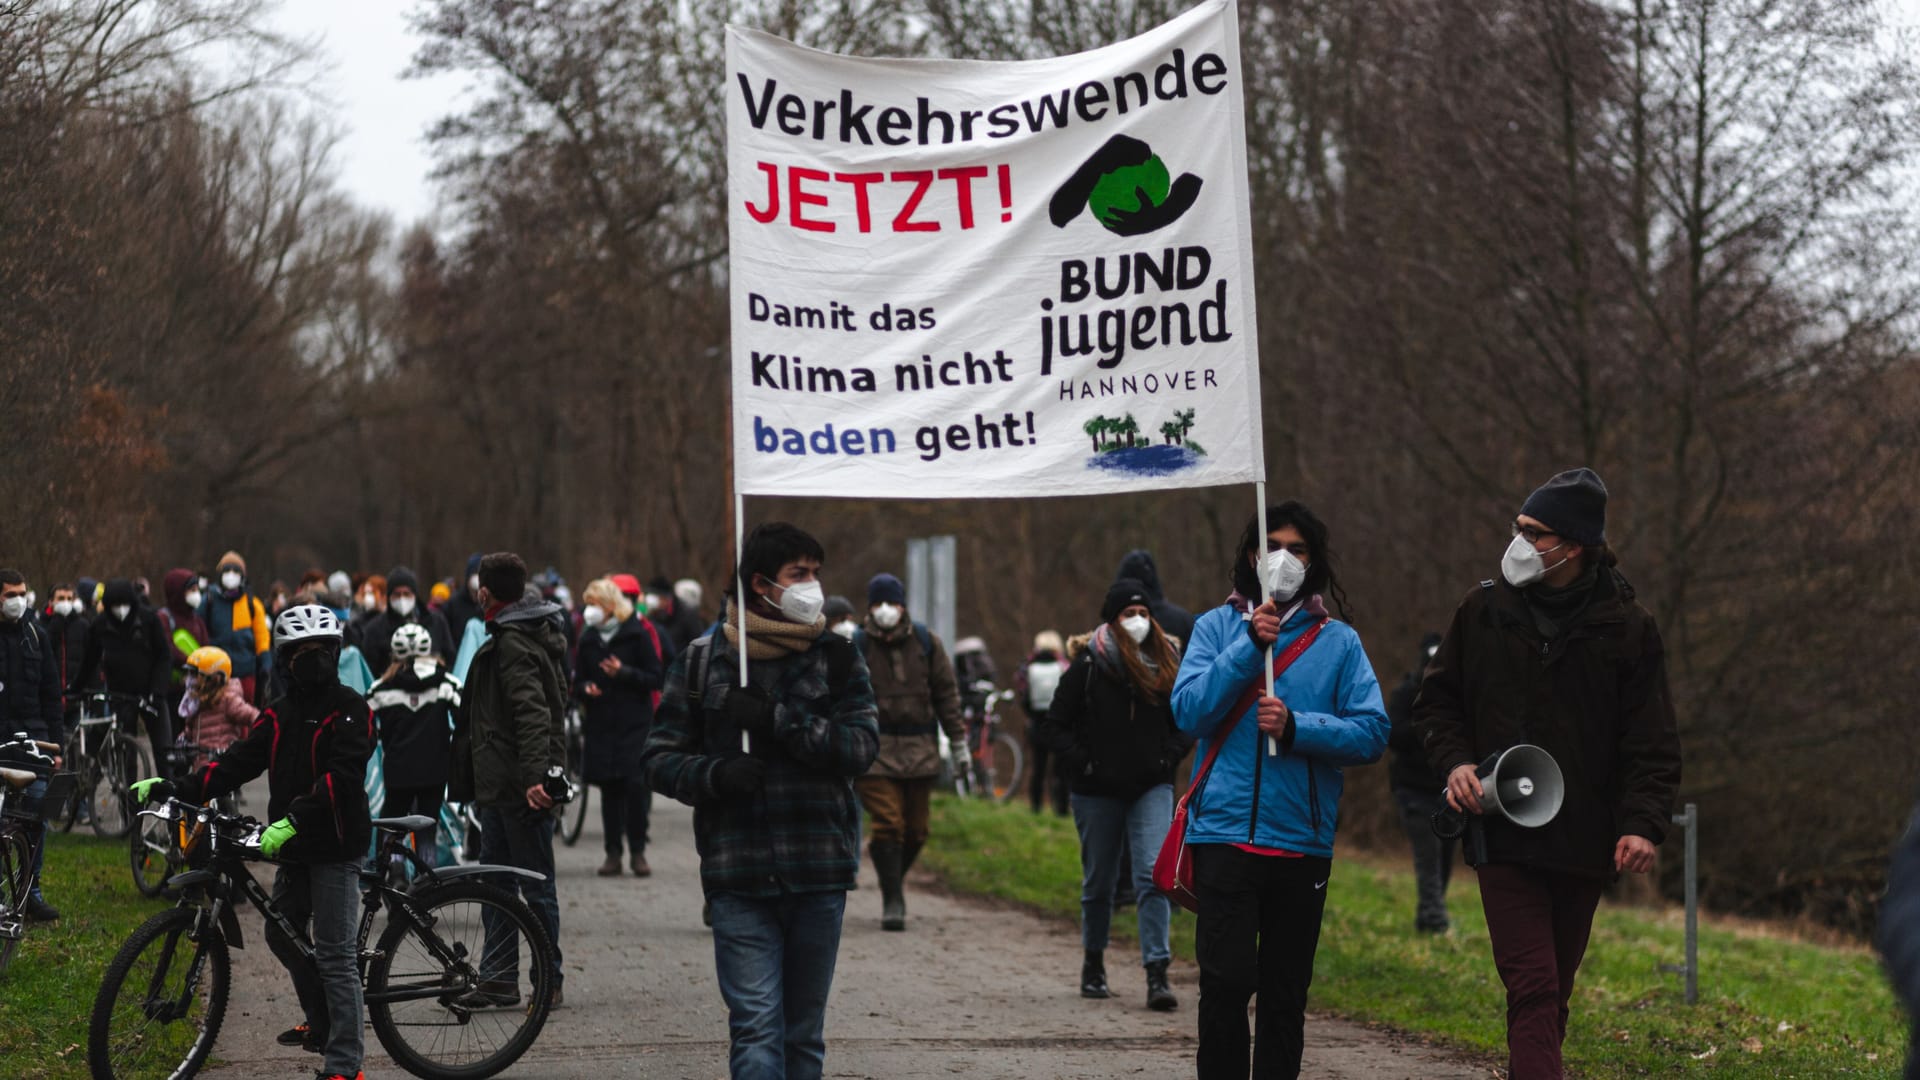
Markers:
(210, 662)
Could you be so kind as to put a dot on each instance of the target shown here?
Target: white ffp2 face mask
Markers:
(13, 608)
(593, 616)
(63, 607)
(802, 603)
(1136, 627)
(845, 628)
(230, 580)
(401, 605)
(121, 611)
(1523, 565)
(886, 616)
(1283, 573)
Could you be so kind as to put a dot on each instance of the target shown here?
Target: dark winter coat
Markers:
(616, 722)
(516, 701)
(1175, 621)
(69, 635)
(30, 693)
(917, 696)
(459, 610)
(133, 652)
(376, 635)
(1594, 696)
(313, 746)
(1407, 767)
(414, 719)
(1115, 742)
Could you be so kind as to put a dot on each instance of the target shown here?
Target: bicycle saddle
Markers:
(17, 778)
(410, 823)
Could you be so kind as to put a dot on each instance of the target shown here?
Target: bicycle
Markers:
(432, 982)
(160, 849)
(574, 818)
(27, 761)
(997, 760)
(104, 770)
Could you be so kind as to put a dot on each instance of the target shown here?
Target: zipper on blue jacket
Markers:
(1253, 815)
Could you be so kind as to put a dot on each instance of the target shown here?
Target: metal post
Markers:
(1692, 821)
(1689, 819)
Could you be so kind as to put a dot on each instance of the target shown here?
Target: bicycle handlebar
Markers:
(234, 828)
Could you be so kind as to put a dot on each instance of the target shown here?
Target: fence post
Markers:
(1689, 819)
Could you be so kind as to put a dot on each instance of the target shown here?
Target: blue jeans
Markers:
(327, 896)
(1105, 825)
(774, 958)
(514, 836)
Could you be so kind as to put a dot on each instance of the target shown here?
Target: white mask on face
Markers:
(1283, 573)
(802, 603)
(32, 598)
(121, 611)
(1136, 627)
(1523, 565)
(473, 583)
(845, 628)
(650, 602)
(13, 608)
(63, 607)
(593, 616)
(193, 599)
(230, 579)
(368, 601)
(401, 605)
(886, 616)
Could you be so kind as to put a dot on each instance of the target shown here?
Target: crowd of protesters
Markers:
(794, 722)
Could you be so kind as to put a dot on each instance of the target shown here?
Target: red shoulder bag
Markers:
(1173, 870)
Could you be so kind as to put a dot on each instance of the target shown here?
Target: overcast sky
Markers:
(383, 155)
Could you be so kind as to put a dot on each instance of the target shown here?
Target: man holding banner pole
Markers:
(765, 748)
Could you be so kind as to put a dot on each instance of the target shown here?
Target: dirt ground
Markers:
(971, 990)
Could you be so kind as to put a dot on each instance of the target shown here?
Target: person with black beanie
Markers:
(405, 607)
(1557, 653)
(126, 643)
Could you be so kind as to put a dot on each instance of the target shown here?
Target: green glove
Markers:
(149, 790)
(276, 837)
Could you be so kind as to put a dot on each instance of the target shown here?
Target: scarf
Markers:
(771, 639)
(1555, 610)
(1316, 606)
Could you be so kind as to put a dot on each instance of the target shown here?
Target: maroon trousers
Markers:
(1539, 922)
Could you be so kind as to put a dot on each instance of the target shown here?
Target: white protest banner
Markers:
(963, 279)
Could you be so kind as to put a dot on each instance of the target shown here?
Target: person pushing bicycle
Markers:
(313, 744)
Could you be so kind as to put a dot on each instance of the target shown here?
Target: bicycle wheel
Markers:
(576, 815)
(155, 853)
(112, 807)
(16, 869)
(64, 816)
(160, 1003)
(1008, 765)
(446, 1005)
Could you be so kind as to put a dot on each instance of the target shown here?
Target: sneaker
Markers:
(640, 867)
(36, 909)
(492, 994)
(302, 1036)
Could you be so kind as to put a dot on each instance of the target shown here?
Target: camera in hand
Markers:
(559, 788)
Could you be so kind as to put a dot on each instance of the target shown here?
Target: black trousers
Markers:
(1258, 928)
(1046, 781)
(401, 801)
(625, 806)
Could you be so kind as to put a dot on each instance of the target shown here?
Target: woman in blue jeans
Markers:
(1112, 725)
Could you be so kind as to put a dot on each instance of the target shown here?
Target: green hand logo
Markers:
(1127, 187)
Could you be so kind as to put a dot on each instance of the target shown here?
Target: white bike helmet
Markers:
(412, 641)
(306, 622)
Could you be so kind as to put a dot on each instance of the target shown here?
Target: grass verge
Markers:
(1769, 1007)
(46, 994)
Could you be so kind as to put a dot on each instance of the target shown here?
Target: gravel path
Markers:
(971, 990)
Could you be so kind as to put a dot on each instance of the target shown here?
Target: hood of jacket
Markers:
(538, 617)
(174, 585)
(1138, 565)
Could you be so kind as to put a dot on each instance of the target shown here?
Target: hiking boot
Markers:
(893, 902)
(302, 1036)
(610, 868)
(1093, 976)
(492, 994)
(1159, 995)
(36, 909)
(640, 867)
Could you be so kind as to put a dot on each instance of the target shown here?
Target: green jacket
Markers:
(516, 700)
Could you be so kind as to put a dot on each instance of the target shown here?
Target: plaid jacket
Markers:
(801, 831)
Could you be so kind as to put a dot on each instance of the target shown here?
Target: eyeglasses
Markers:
(1532, 534)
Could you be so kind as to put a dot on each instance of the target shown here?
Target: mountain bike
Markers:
(23, 762)
(105, 760)
(998, 762)
(574, 817)
(444, 985)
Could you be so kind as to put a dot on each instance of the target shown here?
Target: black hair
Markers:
(771, 546)
(10, 576)
(1321, 576)
(504, 574)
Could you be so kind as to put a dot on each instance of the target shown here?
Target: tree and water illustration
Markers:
(1120, 446)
